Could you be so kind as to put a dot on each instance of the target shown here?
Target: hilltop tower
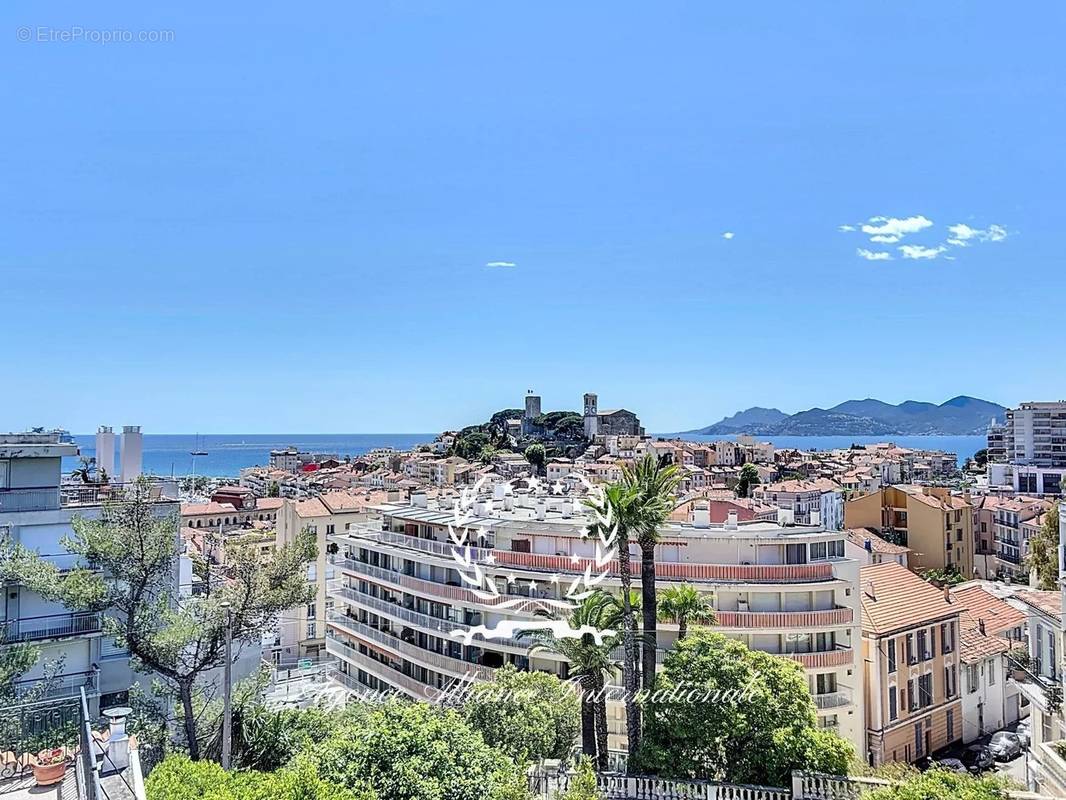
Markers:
(591, 416)
(532, 412)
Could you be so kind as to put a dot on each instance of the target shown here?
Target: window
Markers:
(310, 610)
(951, 682)
(310, 630)
(329, 530)
(893, 712)
(912, 696)
(919, 741)
(826, 683)
(817, 551)
(925, 690)
(947, 637)
(835, 548)
(992, 672)
(951, 724)
(891, 655)
(972, 680)
(910, 649)
(923, 644)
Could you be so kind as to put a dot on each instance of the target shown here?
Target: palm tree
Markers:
(682, 604)
(591, 664)
(85, 469)
(655, 486)
(618, 505)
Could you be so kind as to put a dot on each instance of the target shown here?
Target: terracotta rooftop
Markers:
(977, 646)
(199, 509)
(980, 604)
(1048, 602)
(859, 536)
(798, 486)
(894, 598)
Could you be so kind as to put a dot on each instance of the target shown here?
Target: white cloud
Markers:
(845, 228)
(920, 251)
(962, 235)
(501, 264)
(883, 239)
(874, 255)
(728, 235)
(893, 226)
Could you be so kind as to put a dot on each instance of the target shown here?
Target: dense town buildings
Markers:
(404, 617)
(1028, 451)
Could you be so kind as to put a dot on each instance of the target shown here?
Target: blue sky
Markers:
(280, 220)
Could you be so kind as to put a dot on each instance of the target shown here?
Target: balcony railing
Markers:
(784, 619)
(438, 661)
(59, 686)
(832, 700)
(44, 498)
(425, 621)
(435, 589)
(713, 573)
(51, 626)
(840, 657)
(415, 688)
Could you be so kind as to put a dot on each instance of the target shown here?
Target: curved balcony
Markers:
(438, 591)
(426, 622)
(709, 573)
(807, 620)
(415, 688)
(429, 658)
(832, 700)
(841, 657)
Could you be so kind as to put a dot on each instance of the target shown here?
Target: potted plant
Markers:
(50, 766)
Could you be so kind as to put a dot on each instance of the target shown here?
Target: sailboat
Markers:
(199, 451)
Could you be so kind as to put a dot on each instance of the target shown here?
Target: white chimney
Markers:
(785, 516)
(567, 508)
(816, 517)
(541, 508)
(419, 499)
(130, 448)
(701, 514)
(731, 520)
(499, 491)
(508, 502)
(105, 451)
(483, 508)
(118, 742)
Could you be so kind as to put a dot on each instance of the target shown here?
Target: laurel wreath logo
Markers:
(471, 563)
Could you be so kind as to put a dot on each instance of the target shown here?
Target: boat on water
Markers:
(199, 451)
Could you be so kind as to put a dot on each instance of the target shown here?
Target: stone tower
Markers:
(532, 412)
(591, 418)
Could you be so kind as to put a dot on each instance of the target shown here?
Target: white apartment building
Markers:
(1032, 447)
(818, 501)
(399, 597)
(36, 509)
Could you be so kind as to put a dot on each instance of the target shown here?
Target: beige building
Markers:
(935, 525)
(910, 639)
(302, 632)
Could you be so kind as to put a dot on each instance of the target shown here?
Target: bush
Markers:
(939, 784)
(178, 778)
(414, 751)
(528, 715)
(583, 783)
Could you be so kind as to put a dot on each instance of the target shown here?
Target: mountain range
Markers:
(959, 416)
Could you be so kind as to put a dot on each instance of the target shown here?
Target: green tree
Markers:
(723, 712)
(980, 458)
(943, 576)
(654, 486)
(683, 604)
(414, 751)
(590, 664)
(1043, 550)
(583, 784)
(536, 455)
(274, 490)
(528, 715)
(86, 470)
(749, 477)
(134, 552)
(939, 784)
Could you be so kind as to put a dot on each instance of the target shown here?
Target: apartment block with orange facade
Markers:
(936, 525)
(910, 638)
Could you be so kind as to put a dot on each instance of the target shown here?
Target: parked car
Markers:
(1005, 746)
(978, 757)
(952, 765)
(1023, 733)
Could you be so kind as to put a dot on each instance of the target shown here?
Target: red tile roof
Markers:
(894, 598)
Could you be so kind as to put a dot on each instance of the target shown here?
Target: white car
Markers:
(1005, 746)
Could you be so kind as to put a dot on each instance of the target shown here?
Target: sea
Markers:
(171, 454)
